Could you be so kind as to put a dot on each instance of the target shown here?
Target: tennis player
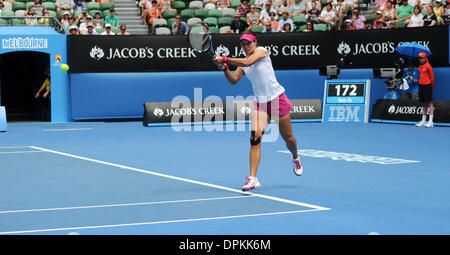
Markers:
(270, 102)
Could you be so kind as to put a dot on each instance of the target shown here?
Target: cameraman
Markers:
(411, 75)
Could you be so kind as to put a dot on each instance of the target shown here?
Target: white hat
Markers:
(379, 12)
(107, 25)
(73, 27)
(348, 21)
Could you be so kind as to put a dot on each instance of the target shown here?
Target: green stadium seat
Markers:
(4, 22)
(299, 20)
(7, 13)
(167, 14)
(115, 30)
(28, 4)
(106, 6)
(235, 3)
(92, 6)
(211, 21)
(178, 5)
(320, 27)
(215, 13)
(170, 22)
(105, 13)
(257, 29)
(186, 14)
(18, 22)
(401, 24)
(78, 13)
(201, 13)
(18, 6)
(224, 21)
(52, 14)
(49, 6)
(92, 13)
(301, 28)
(214, 30)
(99, 30)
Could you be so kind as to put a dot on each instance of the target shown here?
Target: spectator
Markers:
(265, 14)
(381, 5)
(379, 16)
(367, 25)
(379, 24)
(328, 16)
(154, 13)
(416, 19)
(222, 4)
(358, 20)
(284, 20)
(123, 30)
(73, 30)
(339, 10)
(112, 19)
(313, 13)
(45, 21)
(389, 11)
(260, 4)
(252, 17)
(352, 4)
(83, 25)
(274, 20)
(309, 4)
(438, 11)
(179, 27)
(44, 99)
(237, 25)
(429, 19)
(209, 4)
(31, 21)
(268, 28)
(2, 5)
(348, 24)
(309, 27)
(79, 5)
(65, 19)
(98, 21)
(81, 19)
(424, 3)
(68, 26)
(166, 5)
(107, 31)
(280, 5)
(243, 8)
(299, 7)
(64, 5)
(393, 24)
(286, 28)
(405, 10)
(37, 8)
(90, 29)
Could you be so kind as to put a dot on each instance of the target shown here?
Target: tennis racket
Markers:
(200, 40)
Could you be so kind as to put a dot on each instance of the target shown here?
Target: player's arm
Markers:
(233, 78)
(250, 60)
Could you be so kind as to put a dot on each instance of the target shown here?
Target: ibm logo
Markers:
(344, 114)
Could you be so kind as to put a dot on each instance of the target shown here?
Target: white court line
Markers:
(156, 222)
(12, 152)
(66, 129)
(120, 205)
(14, 147)
(184, 179)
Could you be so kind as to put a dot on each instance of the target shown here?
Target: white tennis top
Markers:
(262, 76)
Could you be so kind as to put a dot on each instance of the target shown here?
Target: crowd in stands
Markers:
(77, 17)
(273, 16)
(84, 17)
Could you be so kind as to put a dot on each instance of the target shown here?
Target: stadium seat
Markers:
(196, 5)
(211, 21)
(401, 24)
(7, 13)
(235, 3)
(193, 21)
(257, 29)
(92, 13)
(228, 12)
(224, 29)
(163, 31)
(186, 14)
(92, 6)
(224, 21)
(178, 5)
(78, 13)
(19, 13)
(52, 14)
(105, 6)
(299, 20)
(100, 30)
(18, 6)
(105, 13)
(170, 22)
(49, 6)
(200, 13)
(18, 22)
(301, 28)
(28, 4)
(159, 23)
(7, 6)
(216, 13)
(167, 14)
(115, 30)
(4, 22)
(214, 30)
(320, 27)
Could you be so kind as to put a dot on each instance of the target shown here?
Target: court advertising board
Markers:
(346, 101)
(90, 54)
(404, 110)
(217, 111)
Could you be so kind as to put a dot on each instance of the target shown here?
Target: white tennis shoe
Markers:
(298, 168)
(251, 183)
(421, 124)
(429, 124)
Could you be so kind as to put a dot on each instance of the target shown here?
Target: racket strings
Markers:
(199, 38)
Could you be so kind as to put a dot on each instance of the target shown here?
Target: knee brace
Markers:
(254, 140)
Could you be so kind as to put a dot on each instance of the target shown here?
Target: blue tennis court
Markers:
(123, 178)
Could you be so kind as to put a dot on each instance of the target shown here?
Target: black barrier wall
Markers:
(363, 49)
